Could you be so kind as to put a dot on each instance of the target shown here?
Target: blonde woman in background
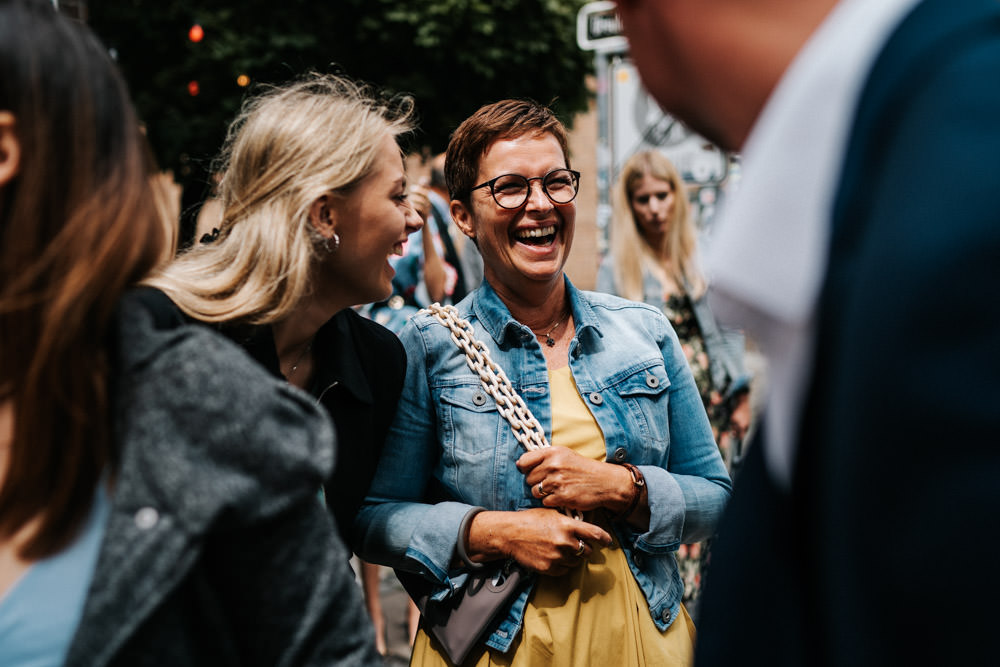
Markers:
(653, 259)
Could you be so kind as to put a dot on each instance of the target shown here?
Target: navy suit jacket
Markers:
(885, 550)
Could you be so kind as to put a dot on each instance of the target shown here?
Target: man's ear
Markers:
(322, 217)
(10, 148)
(463, 218)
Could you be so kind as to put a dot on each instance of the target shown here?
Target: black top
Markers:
(358, 371)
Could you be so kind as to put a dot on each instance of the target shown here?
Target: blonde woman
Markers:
(314, 198)
(653, 259)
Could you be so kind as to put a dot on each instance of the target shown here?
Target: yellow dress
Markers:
(595, 614)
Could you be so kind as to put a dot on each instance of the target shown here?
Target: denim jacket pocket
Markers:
(643, 394)
(469, 420)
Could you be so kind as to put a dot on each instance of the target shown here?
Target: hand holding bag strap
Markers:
(526, 428)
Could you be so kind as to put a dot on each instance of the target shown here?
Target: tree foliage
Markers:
(451, 55)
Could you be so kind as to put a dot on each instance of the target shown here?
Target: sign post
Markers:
(629, 120)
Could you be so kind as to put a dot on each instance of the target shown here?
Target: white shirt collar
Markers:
(768, 257)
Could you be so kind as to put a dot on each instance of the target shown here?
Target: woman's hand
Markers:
(562, 478)
(420, 202)
(542, 540)
(435, 275)
(741, 415)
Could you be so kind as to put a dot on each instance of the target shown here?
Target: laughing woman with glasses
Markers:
(632, 449)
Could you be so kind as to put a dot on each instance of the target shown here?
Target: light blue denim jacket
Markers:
(632, 374)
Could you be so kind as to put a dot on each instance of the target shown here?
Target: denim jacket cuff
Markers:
(666, 512)
(433, 540)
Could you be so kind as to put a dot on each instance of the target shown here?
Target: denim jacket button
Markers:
(666, 614)
(620, 454)
(479, 398)
(146, 518)
(596, 398)
(638, 560)
(652, 381)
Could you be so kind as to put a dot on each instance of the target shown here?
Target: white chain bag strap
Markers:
(461, 621)
(526, 428)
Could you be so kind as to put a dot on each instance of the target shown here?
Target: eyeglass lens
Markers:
(512, 190)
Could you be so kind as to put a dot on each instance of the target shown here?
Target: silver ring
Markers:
(541, 491)
(579, 552)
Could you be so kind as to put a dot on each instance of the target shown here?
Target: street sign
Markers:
(598, 28)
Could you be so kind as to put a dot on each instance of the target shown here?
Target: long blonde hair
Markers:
(631, 250)
(289, 146)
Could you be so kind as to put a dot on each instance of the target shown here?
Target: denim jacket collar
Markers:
(493, 314)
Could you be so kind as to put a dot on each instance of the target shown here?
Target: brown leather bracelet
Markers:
(638, 482)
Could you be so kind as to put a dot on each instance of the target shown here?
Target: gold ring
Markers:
(579, 552)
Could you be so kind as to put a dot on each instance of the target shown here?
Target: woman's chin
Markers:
(383, 293)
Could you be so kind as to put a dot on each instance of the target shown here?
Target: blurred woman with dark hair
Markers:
(138, 525)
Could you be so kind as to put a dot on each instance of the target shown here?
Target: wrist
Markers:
(484, 536)
(634, 491)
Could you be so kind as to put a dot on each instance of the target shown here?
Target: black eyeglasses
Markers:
(513, 190)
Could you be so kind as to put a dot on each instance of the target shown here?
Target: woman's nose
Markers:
(413, 220)
(537, 199)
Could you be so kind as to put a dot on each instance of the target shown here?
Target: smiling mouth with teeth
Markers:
(537, 236)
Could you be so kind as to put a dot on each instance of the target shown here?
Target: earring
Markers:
(336, 243)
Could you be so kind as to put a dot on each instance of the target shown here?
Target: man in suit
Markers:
(862, 250)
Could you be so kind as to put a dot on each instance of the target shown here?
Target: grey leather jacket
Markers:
(218, 550)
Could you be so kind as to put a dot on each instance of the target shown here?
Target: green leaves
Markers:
(451, 55)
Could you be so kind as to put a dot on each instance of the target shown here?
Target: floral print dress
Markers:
(680, 311)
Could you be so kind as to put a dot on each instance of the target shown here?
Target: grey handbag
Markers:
(461, 621)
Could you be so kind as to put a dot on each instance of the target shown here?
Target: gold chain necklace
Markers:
(298, 360)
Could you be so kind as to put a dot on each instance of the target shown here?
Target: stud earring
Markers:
(335, 239)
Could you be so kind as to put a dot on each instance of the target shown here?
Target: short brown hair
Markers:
(506, 119)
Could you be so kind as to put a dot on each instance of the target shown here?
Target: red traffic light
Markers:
(196, 34)
(193, 88)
